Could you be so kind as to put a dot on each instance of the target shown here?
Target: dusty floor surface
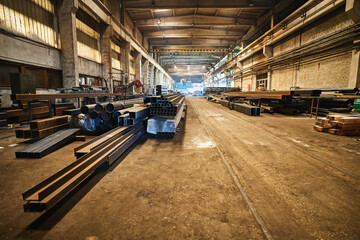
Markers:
(226, 176)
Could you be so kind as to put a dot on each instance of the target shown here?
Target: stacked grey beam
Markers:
(161, 89)
(166, 112)
(132, 116)
(247, 109)
(166, 105)
(48, 144)
(48, 193)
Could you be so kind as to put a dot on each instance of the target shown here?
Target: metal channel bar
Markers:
(94, 162)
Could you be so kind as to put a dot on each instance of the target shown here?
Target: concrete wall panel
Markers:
(28, 52)
(89, 67)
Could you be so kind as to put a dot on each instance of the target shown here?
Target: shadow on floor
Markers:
(45, 222)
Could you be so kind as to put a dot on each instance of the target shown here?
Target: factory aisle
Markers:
(224, 176)
(297, 194)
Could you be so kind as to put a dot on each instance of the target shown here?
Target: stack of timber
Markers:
(166, 112)
(339, 124)
(48, 144)
(42, 128)
(48, 193)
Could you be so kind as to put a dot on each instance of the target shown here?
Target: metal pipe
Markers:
(99, 107)
(105, 116)
(87, 108)
(111, 107)
(94, 115)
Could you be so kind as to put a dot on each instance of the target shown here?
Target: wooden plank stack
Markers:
(42, 128)
(339, 124)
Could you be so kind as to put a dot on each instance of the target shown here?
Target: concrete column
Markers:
(352, 9)
(69, 55)
(157, 78)
(152, 78)
(146, 79)
(354, 78)
(138, 58)
(105, 43)
(268, 82)
(125, 61)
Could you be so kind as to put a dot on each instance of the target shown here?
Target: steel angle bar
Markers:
(129, 141)
(49, 185)
(122, 120)
(57, 189)
(109, 134)
(140, 112)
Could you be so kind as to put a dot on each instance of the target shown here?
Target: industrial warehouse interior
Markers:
(169, 119)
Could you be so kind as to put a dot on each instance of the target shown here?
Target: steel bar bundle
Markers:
(101, 140)
(133, 116)
(49, 192)
(165, 126)
(161, 89)
(165, 105)
(48, 144)
(280, 95)
(42, 128)
(219, 90)
(247, 109)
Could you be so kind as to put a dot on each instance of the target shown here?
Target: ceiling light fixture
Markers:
(159, 22)
(250, 3)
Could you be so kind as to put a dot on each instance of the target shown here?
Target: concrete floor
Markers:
(226, 176)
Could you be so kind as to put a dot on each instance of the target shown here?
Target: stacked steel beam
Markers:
(131, 116)
(166, 112)
(104, 151)
(247, 109)
(280, 95)
(161, 89)
(165, 105)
